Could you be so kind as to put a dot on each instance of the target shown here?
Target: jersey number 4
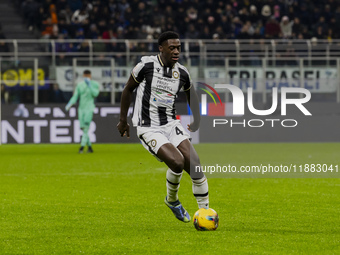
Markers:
(178, 131)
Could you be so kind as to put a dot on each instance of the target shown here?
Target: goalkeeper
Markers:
(87, 91)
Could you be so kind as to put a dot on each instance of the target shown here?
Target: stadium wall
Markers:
(52, 124)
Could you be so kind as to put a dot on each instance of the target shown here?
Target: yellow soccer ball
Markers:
(206, 219)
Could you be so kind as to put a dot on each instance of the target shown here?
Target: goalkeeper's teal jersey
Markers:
(87, 94)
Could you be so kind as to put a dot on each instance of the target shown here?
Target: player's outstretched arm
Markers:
(123, 126)
(73, 99)
(195, 108)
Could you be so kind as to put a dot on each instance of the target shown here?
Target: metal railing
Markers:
(322, 79)
(202, 49)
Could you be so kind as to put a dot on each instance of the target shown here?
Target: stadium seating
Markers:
(192, 19)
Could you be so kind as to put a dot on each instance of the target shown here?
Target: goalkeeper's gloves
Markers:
(87, 81)
(68, 106)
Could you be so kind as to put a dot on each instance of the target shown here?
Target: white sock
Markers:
(200, 190)
(172, 185)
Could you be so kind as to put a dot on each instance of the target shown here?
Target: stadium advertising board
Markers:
(288, 116)
(321, 80)
(100, 74)
(23, 78)
(52, 124)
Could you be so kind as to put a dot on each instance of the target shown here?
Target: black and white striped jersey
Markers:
(156, 93)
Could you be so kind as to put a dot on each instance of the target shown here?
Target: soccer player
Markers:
(87, 91)
(158, 80)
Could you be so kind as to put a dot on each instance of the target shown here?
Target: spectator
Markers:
(316, 14)
(93, 33)
(177, 15)
(319, 33)
(192, 13)
(230, 11)
(3, 47)
(105, 14)
(120, 33)
(94, 16)
(250, 29)
(103, 29)
(291, 13)
(211, 23)
(226, 26)
(122, 6)
(80, 17)
(56, 95)
(119, 50)
(333, 25)
(65, 15)
(192, 32)
(286, 27)
(205, 33)
(61, 5)
(337, 16)
(253, 15)
(266, 13)
(220, 33)
(129, 15)
(237, 26)
(80, 34)
(306, 34)
(244, 32)
(273, 30)
(244, 14)
(99, 46)
(322, 23)
(304, 15)
(327, 14)
(300, 36)
(40, 17)
(84, 47)
(277, 14)
(48, 28)
(53, 14)
(141, 49)
(50, 23)
(75, 4)
(330, 34)
(143, 14)
(259, 32)
(30, 9)
(333, 4)
(296, 28)
(290, 55)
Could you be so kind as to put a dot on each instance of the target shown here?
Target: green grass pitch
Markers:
(55, 201)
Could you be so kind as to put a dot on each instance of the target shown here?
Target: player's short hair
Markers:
(166, 36)
(87, 72)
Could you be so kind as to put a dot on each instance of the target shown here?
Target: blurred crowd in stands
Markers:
(146, 19)
(192, 19)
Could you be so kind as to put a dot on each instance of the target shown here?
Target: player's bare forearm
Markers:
(195, 109)
(126, 98)
(124, 105)
(123, 126)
